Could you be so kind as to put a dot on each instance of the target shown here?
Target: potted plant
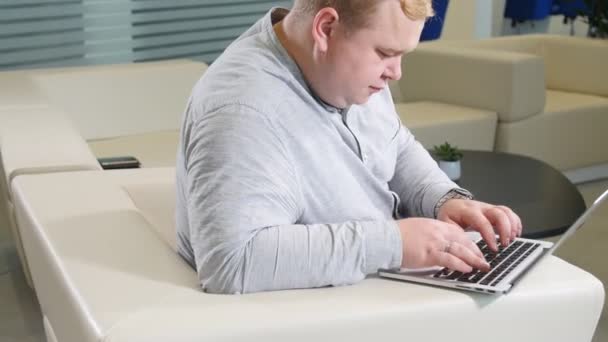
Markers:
(448, 159)
(593, 12)
(597, 18)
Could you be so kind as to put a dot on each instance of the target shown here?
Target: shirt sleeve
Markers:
(418, 180)
(243, 203)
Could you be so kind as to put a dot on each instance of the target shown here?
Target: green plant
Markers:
(447, 152)
(597, 18)
(594, 13)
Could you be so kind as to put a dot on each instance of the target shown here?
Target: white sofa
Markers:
(46, 115)
(105, 268)
(36, 140)
(117, 109)
(549, 93)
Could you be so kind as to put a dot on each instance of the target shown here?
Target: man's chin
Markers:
(359, 100)
(362, 99)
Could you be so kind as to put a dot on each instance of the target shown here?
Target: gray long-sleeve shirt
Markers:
(277, 190)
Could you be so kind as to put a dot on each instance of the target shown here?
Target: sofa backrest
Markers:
(511, 84)
(575, 64)
(18, 90)
(528, 44)
(118, 100)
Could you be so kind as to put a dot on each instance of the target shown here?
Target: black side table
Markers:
(545, 200)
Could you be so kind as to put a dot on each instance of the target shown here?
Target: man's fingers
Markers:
(514, 220)
(501, 223)
(452, 222)
(481, 224)
(456, 235)
(459, 246)
(471, 255)
(452, 262)
(473, 246)
(519, 225)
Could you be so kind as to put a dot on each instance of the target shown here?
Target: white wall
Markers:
(552, 25)
(476, 19)
(471, 19)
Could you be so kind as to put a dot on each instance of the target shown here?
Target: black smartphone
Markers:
(122, 162)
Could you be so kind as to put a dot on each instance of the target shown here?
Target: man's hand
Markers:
(485, 218)
(427, 242)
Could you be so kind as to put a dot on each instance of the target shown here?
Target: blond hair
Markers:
(355, 13)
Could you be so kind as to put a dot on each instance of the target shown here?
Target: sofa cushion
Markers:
(156, 202)
(528, 44)
(576, 64)
(118, 100)
(40, 140)
(434, 123)
(512, 84)
(155, 149)
(566, 135)
(18, 90)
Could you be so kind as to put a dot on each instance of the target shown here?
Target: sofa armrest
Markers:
(576, 64)
(41, 140)
(510, 84)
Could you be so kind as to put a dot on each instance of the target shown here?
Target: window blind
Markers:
(195, 29)
(36, 33)
(77, 32)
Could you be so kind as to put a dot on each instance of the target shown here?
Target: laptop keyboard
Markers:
(501, 263)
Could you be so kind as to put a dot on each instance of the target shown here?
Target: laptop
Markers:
(508, 265)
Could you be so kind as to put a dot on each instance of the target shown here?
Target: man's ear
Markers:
(323, 26)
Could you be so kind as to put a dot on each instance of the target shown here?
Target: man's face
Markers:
(359, 63)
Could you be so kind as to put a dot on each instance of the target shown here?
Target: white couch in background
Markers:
(117, 109)
(549, 93)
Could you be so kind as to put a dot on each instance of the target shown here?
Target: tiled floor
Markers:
(20, 319)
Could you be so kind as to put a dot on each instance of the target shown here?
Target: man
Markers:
(294, 170)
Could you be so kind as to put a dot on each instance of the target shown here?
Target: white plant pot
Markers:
(451, 169)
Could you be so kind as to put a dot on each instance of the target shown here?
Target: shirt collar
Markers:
(274, 15)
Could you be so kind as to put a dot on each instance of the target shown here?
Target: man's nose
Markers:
(393, 70)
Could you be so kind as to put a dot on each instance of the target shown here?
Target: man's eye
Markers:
(382, 54)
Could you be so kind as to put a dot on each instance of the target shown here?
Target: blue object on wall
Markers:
(523, 10)
(433, 26)
(569, 8)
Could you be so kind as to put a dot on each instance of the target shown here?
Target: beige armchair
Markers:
(549, 92)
